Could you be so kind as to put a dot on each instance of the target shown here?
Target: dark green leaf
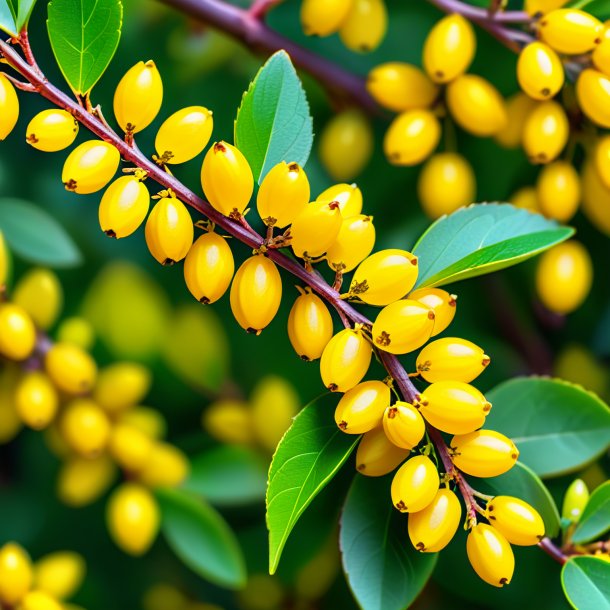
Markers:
(586, 583)
(201, 538)
(35, 235)
(595, 519)
(598, 8)
(84, 35)
(481, 239)
(228, 475)
(273, 122)
(306, 459)
(8, 17)
(557, 426)
(383, 569)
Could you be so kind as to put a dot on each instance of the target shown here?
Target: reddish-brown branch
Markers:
(553, 551)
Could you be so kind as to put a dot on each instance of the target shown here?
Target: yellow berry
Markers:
(17, 332)
(490, 555)
(229, 421)
(361, 408)
(39, 600)
(516, 520)
(90, 167)
(540, 71)
(77, 331)
(353, 244)
(59, 574)
(4, 262)
(315, 229)
(324, 17)
(446, 183)
(81, 481)
(384, 277)
(227, 179)
(558, 191)
(440, 302)
(283, 194)
(411, 137)
(399, 86)
(449, 48)
(162, 596)
(121, 385)
(348, 196)
(403, 425)
(10, 422)
(184, 134)
(169, 231)
(596, 197)
(209, 267)
(52, 130)
(365, 25)
(165, 466)
(376, 455)
(256, 293)
(415, 484)
(85, 427)
(564, 276)
(570, 31)
(146, 420)
(310, 325)
(476, 105)
(432, 529)
(130, 447)
(138, 97)
(518, 107)
(70, 368)
(9, 107)
(601, 54)
(593, 93)
(545, 132)
(36, 400)
(483, 453)
(345, 360)
(535, 7)
(15, 573)
(602, 160)
(123, 207)
(40, 294)
(526, 199)
(133, 518)
(454, 407)
(575, 500)
(451, 359)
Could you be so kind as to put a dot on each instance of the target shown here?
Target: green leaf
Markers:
(586, 583)
(306, 459)
(84, 35)
(201, 538)
(24, 12)
(35, 235)
(595, 519)
(557, 426)
(481, 239)
(273, 122)
(8, 17)
(228, 475)
(521, 482)
(383, 569)
(597, 8)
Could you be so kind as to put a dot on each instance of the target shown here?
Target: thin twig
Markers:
(553, 551)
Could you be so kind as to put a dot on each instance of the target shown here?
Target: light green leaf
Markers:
(273, 122)
(84, 35)
(586, 583)
(8, 17)
(201, 538)
(481, 239)
(24, 12)
(557, 426)
(309, 455)
(595, 519)
(383, 569)
(35, 235)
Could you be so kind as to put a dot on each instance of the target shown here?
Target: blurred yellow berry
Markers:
(70, 368)
(130, 447)
(76, 331)
(545, 132)
(558, 190)
(40, 294)
(324, 17)
(59, 574)
(165, 466)
(526, 199)
(15, 573)
(365, 25)
(36, 400)
(518, 107)
(17, 332)
(411, 137)
(229, 421)
(85, 427)
(121, 385)
(82, 481)
(376, 455)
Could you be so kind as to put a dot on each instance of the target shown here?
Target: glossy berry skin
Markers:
(570, 31)
(575, 500)
(536, 7)
(36, 400)
(601, 54)
(345, 360)
(15, 573)
(361, 408)
(90, 167)
(593, 94)
(440, 302)
(133, 518)
(123, 207)
(52, 130)
(39, 600)
(432, 529)
(384, 277)
(454, 407)
(490, 555)
(376, 455)
(545, 132)
(70, 368)
(59, 574)
(595, 197)
(449, 49)
(564, 276)
(602, 160)
(256, 293)
(85, 427)
(540, 71)
(121, 385)
(166, 466)
(310, 325)
(446, 183)
(518, 107)
(348, 196)
(353, 243)
(169, 231)
(365, 25)
(17, 332)
(403, 425)
(484, 453)
(558, 191)
(227, 179)
(516, 520)
(451, 359)
(411, 137)
(315, 229)
(283, 194)
(476, 105)
(415, 484)
(403, 326)
(138, 97)
(81, 481)
(399, 86)
(40, 294)
(209, 267)
(9, 107)
(184, 134)
(129, 447)
(323, 17)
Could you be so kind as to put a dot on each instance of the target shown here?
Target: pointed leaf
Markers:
(595, 519)
(24, 12)
(586, 583)
(8, 17)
